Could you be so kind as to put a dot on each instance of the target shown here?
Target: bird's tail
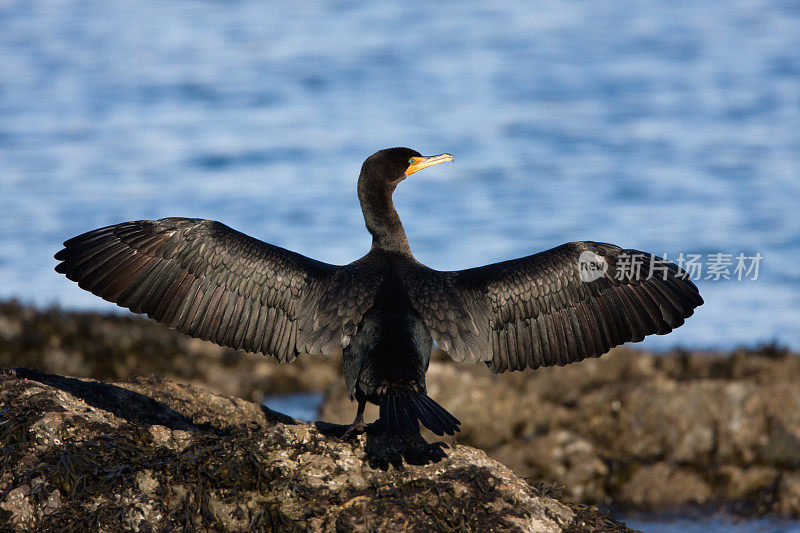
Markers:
(402, 408)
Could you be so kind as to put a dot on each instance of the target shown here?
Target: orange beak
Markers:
(418, 163)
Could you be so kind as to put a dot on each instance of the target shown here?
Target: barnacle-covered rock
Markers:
(151, 454)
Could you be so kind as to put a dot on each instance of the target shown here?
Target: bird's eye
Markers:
(411, 161)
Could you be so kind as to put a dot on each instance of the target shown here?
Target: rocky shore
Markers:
(154, 455)
(629, 430)
(637, 431)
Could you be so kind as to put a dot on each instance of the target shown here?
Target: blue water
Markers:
(709, 524)
(303, 406)
(663, 126)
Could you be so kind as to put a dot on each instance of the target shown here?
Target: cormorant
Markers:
(552, 308)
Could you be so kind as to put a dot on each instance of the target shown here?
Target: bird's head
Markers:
(380, 174)
(386, 168)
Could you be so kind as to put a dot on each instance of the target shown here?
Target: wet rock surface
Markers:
(670, 431)
(637, 431)
(152, 454)
(722, 428)
(118, 347)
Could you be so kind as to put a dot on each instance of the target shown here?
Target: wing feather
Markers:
(207, 280)
(539, 311)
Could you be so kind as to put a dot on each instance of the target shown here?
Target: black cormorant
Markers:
(552, 308)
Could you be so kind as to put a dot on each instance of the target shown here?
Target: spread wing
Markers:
(210, 281)
(552, 308)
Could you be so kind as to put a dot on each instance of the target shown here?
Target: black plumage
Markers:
(212, 282)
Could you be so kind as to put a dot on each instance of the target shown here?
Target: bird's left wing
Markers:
(559, 306)
(212, 282)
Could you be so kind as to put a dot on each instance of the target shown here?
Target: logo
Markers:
(591, 266)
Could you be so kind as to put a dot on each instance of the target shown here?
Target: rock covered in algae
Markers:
(724, 426)
(155, 455)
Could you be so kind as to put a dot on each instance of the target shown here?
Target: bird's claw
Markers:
(355, 429)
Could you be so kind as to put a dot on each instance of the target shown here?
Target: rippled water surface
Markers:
(663, 126)
(710, 524)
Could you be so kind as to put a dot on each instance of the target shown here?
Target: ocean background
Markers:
(670, 127)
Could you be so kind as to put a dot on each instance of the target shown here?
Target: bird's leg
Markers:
(358, 426)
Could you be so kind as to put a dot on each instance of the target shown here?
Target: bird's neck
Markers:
(382, 220)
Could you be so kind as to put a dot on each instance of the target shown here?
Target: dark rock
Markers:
(722, 416)
(789, 494)
(155, 455)
(693, 414)
(741, 484)
(117, 347)
(661, 485)
(559, 455)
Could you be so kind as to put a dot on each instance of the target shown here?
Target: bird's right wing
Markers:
(544, 310)
(212, 282)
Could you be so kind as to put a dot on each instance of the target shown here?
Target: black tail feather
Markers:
(394, 419)
(384, 414)
(435, 418)
(428, 416)
(403, 408)
(409, 422)
(448, 418)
